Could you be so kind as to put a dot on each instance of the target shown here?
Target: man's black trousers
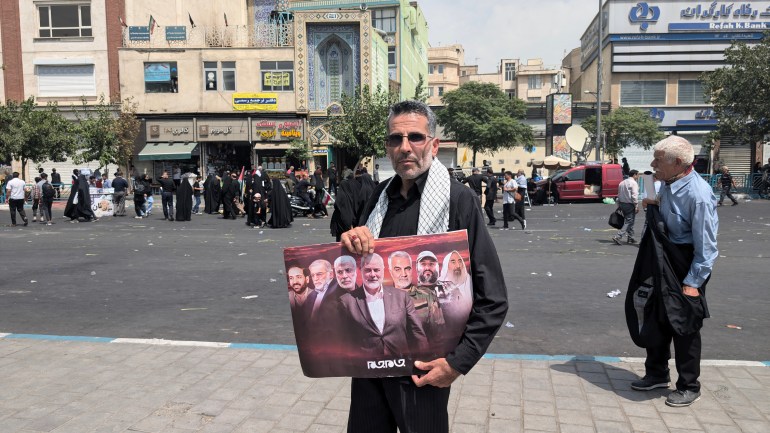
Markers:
(382, 405)
(168, 204)
(488, 208)
(686, 356)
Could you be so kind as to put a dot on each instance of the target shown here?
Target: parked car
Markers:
(584, 182)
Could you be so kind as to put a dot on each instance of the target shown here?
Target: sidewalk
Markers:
(61, 385)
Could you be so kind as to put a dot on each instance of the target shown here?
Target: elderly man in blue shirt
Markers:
(688, 207)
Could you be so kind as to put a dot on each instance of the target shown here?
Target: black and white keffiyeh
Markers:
(434, 204)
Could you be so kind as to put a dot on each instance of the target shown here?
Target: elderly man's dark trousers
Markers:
(687, 350)
(489, 209)
(382, 405)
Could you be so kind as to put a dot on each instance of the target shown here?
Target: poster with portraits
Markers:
(101, 201)
(374, 315)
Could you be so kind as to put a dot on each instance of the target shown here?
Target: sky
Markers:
(491, 30)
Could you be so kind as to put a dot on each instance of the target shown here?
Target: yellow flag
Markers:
(465, 156)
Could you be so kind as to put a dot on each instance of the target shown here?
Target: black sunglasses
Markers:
(415, 138)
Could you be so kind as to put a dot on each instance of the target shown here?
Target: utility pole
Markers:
(599, 87)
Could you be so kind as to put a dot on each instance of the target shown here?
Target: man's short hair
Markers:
(475, 170)
(676, 147)
(44, 175)
(509, 173)
(413, 107)
(633, 173)
(341, 260)
(325, 263)
(402, 254)
(15, 174)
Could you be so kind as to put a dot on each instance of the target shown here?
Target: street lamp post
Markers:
(598, 121)
(599, 86)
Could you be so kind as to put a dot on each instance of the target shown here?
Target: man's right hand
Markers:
(358, 240)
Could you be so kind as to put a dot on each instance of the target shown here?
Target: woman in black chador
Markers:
(184, 194)
(280, 209)
(212, 191)
(79, 204)
(255, 209)
(230, 193)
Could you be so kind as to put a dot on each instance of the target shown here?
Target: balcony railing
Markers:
(265, 35)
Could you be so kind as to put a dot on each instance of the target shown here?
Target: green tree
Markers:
(419, 91)
(482, 117)
(361, 129)
(623, 127)
(740, 91)
(298, 150)
(32, 133)
(107, 133)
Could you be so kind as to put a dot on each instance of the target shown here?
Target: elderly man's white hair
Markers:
(402, 254)
(341, 260)
(676, 147)
(321, 262)
(370, 258)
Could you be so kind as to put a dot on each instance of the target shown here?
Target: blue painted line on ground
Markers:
(532, 357)
(61, 338)
(263, 346)
(767, 363)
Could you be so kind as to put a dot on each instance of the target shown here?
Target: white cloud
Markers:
(491, 30)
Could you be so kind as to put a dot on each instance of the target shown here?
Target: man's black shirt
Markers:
(474, 181)
(119, 184)
(167, 184)
(490, 295)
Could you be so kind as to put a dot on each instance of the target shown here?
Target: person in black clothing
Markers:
(79, 204)
(56, 182)
(197, 188)
(184, 196)
(490, 196)
(230, 193)
(211, 189)
(346, 207)
(141, 189)
(300, 189)
(474, 181)
(280, 209)
(420, 403)
(626, 168)
(318, 180)
(120, 187)
(332, 173)
(167, 196)
(727, 183)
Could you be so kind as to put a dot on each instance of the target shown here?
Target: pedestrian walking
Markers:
(56, 182)
(36, 195)
(47, 194)
(727, 184)
(168, 186)
(15, 191)
(509, 199)
(490, 195)
(628, 202)
(141, 191)
(197, 190)
(686, 204)
(521, 189)
(120, 188)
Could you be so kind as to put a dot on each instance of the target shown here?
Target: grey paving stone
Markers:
(576, 417)
(683, 420)
(608, 413)
(296, 422)
(322, 428)
(503, 426)
(480, 403)
(576, 428)
(332, 417)
(540, 423)
(538, 408)
(470, 416)
(572, 403)
(647, 424)
(713, 428)
(753, 426)
(505, 412)
(612, 427)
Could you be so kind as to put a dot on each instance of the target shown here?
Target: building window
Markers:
(440, 90)
(643, 92)
(510, 71)
(65, 21)
(430, 92)
(161, 77)
(384, 19)
(691, 93)
(430, 69)
(211, 76)
(511, 94)
(462, 73)
(277, 76)
(533, 99)
(440, 69)
(66, 80)
(535, 82)
(391, 56)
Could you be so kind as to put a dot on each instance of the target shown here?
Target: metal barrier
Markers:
(755, 185)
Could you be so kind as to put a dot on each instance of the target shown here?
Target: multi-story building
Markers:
(60, 51)
(530, 81)
(233, 84)
(653, 55)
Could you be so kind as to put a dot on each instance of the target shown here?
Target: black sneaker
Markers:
(648, 383)
(682, 398)
(26, 223)
(735, 204)
(631, 241)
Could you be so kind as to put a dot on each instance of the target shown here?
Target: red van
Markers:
(585, 182)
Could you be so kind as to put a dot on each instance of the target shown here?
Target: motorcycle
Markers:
(298, 206)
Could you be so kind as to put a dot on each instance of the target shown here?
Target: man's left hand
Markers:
(690, 291)
(440, 373)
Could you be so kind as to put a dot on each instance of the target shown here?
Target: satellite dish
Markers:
(577, 138)
(362, 6)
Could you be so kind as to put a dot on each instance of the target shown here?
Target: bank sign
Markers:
(683, 16)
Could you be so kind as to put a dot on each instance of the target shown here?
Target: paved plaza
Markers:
(152, 326)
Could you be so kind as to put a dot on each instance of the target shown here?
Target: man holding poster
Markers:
(423, 199)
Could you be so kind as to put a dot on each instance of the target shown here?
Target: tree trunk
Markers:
(24, 169)
(473, 160)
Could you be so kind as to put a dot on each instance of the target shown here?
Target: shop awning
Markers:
(163, 151)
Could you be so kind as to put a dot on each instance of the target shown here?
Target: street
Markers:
(217, 280)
